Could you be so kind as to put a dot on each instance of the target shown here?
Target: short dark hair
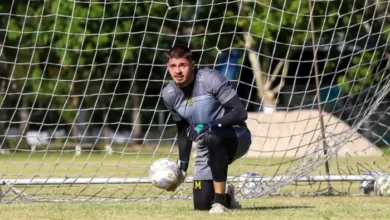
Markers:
(178, 52)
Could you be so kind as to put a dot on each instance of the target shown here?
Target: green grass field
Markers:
(41, 164)
(262, 208)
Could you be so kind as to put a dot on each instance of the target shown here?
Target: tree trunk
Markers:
(23, 115)
(107, 139)
(136, 114)
(4, 144)
(265, 92)
(75, 104)
(106, 129)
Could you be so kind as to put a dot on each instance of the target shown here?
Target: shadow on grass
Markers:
(275, 207)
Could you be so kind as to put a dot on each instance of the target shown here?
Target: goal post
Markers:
(81, 111)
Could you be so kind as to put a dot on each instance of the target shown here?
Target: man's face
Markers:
(181, 71)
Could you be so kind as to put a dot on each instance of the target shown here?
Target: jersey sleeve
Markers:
(168, 102)
(221, 87)
(184, 143)
(175, 116)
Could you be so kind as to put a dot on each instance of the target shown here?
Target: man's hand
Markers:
(180, 180)
(196, 132)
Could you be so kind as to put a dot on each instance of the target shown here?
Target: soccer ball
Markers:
(250, 184)
(164, 173)
(382, 185)
(367, 186)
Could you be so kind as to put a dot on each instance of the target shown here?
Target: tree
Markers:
(270, 31)
(363, 72)
(276, 27)
(365, 31)
(86, 58)
(4, 143)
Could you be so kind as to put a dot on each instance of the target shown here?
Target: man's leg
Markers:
(203, 194)
(220, 187)
(203, 188)
(222, 145)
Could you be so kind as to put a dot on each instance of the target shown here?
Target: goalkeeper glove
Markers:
(196, 132)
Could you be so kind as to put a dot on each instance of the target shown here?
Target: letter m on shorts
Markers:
(197, 184)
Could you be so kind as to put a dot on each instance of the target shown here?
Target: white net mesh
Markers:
(82, 118)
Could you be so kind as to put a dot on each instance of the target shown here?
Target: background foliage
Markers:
(83, 64)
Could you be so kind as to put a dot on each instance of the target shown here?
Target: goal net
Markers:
(82, 117)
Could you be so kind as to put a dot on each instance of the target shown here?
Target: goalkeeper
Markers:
(207, 111)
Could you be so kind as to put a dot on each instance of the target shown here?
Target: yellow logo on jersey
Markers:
(190, 102)
(197, 185)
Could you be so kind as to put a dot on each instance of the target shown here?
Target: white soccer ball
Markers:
(164, 173)
(382, 185)
(250, 184)
(367, 186)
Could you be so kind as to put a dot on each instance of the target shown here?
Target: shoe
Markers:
(233, 202)
(217, 208)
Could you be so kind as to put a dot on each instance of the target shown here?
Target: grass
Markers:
(98, 164)
(262, 208)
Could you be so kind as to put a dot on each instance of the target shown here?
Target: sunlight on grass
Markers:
(262, 208)
(147, 204)
(97, 164)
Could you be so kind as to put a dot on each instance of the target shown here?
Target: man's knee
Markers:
(203, 194)
(213, 139)
(222, 141)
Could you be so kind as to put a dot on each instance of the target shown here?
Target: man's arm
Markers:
(185, 145)
(235, 113)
